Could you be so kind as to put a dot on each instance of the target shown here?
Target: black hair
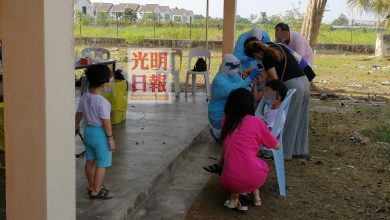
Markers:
(98, 75)
(253, 47)
(250, 47)
(283, 26)
(247, 41)
(278, 86)
(238, 105)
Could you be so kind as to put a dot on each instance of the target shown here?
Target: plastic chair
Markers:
(175, 71)
(278, 127)
(96, 53)
(197, 53)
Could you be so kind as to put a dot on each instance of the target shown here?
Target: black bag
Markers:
(310, 74)
(200, 65)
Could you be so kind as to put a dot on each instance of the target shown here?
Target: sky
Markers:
(247, 7)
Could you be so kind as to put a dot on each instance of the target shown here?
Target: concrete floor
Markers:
(151, 143)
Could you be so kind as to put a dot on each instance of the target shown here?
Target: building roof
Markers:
(165, 8)
(190, 13)
(75, 1)
(120, 7)
(123, 6)
(96, 5)
(149, 8)
(133, 7)
(105, 7)
(179, 11)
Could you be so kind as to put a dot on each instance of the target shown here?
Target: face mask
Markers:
(267, 102)
(110, 87)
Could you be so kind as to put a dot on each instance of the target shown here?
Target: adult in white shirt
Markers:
(295, 41)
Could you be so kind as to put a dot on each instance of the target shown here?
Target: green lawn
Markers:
(136, 33)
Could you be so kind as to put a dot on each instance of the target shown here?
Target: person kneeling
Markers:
(242, 133)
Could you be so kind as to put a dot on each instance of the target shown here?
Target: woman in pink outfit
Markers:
(242, 133)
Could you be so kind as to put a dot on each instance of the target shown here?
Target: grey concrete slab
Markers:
(151, 143)
(172, 198)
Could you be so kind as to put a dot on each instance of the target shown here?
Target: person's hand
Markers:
(254, 73)
(277, 147)
(111, 143)
(243, 74)
(255, 82)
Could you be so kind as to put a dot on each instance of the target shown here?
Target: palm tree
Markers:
(381, 8)
(312, 22)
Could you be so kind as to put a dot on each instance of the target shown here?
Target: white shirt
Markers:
(94, 108)
(270, 116)
(300, 45)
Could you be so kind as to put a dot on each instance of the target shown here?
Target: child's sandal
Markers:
(104, 188)
(103, 195)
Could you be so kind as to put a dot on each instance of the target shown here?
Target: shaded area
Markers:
(2, 193)
(347, 176)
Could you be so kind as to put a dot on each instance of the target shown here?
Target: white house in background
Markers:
(190, 16)
(84, 6)
(149, 10)
(165, 13)
(119, 10)
(180, 14)
(101, 7)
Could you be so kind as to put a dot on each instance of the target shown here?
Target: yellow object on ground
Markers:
(118, 100)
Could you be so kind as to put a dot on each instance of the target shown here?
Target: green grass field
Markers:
(136, 33)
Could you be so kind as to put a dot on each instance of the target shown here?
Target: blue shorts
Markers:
(96, 146)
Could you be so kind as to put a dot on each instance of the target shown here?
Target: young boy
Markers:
(98, 138)
(273, 95)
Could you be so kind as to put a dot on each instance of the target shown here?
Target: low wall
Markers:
(109, 41)
(345, 48)
(320, 48)
(169, 43)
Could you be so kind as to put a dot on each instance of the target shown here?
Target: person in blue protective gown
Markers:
(247, 63)
(226, 80)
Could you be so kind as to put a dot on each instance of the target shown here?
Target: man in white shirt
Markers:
(295, 41)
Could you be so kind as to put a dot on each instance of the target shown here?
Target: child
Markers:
(242, 133)
(273, 95)
(99, 141)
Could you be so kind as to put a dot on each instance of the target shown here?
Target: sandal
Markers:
(103, 195)
(215, 168)
(103, 187)
(257, 203)
(229, 204)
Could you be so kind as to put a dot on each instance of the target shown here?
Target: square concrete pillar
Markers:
(38, 62)
(229, 25)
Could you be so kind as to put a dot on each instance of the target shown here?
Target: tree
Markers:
(103, 18)
(312, 22)
(381, 8)
(263, 19)
(129, 15)
(252, 17)
(275, 19)
(342, 20)
(242, 21)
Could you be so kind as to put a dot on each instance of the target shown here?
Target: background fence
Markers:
(135, 31)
